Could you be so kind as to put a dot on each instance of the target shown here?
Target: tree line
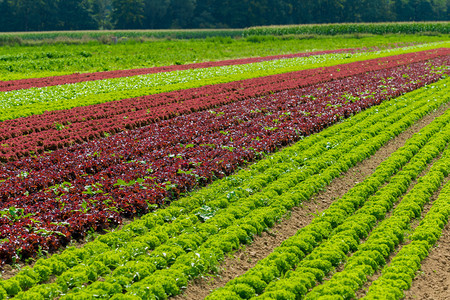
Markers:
(37, 15)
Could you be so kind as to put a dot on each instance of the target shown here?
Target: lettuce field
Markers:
(319, 174)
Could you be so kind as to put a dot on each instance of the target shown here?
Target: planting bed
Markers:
(12, 85)
(209, 169)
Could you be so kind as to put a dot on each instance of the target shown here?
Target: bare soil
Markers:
(247, 257)
(433, 280)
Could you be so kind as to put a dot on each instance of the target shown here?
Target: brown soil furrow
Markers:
(247, 257)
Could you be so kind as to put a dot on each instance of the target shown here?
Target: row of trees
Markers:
(28, 15)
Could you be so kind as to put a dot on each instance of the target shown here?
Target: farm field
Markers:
(319, 174)
(32, 61)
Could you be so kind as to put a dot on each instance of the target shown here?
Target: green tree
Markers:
(26, 15)
(234, 14)
(352, 11)
(279, 12)
(377, 11)
(34, 14)
(74, 15)
(155, 12)
(424, 10)
(331, 11)
(441, 9)
(305, 12)
(204, 15)
(128, 14)
(101, 13)
(7, 22)
(180, 13)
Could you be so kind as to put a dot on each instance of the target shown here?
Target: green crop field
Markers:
(287, 162)
(56, 59)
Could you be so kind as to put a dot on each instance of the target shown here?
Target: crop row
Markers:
(166, 248)
(141, 85)
(53, 130)
(333, 29)
(382, 241)
(96, 183)
(317, 249)
(38, 100)
(12, 85)
(398, 275)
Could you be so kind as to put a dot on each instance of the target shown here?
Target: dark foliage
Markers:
(30, 15)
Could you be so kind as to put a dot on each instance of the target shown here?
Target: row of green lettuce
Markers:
(398, 275)
(316, 250)
(21, 103)
(158, 254)
(372, 254)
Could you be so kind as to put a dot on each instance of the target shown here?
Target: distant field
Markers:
(29, 61)
(113, 36)
(351, 28)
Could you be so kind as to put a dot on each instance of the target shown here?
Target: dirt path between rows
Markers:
(432, 282)
(246, 258)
